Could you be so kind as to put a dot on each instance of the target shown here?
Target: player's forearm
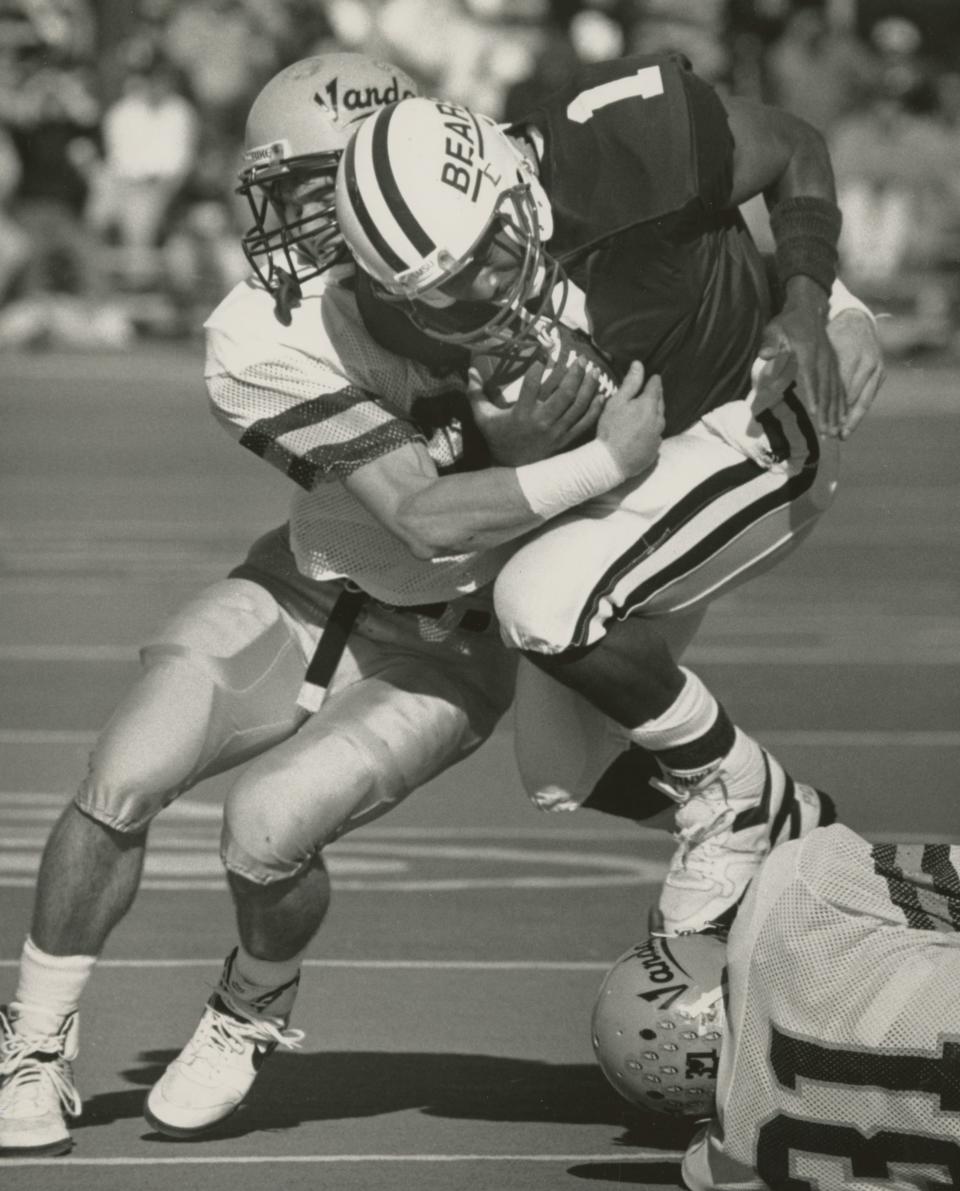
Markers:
(787, 161)
(805, 221)
(456, 514)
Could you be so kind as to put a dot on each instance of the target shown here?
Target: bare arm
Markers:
(776, 154)
(785, 159)
(435, 515)
(780, 156)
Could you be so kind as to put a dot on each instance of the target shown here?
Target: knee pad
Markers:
(562, 743)
(129, 809)
(287, 807)
(533, 615)
(152, 748)
(257, 841)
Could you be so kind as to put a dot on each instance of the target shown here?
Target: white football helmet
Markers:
(658, 1024)
(424, 190)
(297, 129)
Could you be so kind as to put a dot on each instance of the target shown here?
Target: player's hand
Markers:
(800, 331)
(632, 421)
(551, 413)
(771, 375)
(860, 360)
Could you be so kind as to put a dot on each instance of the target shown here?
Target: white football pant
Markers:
(219, 687)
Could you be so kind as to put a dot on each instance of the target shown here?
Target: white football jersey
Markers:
(840, 1067)
(320, 398)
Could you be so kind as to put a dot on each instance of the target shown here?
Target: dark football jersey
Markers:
(638, 165)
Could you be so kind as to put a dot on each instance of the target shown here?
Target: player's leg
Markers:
(708, 516)
(219, 682)
(393, 719)
(569, 754)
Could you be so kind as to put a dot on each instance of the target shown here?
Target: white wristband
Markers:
(554, 485)
(841, 299)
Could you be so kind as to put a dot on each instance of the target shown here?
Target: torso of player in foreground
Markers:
(318, 399)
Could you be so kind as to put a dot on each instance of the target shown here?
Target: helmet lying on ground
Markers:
(658, 1024)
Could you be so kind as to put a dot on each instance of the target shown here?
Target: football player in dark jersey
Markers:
(612, 212)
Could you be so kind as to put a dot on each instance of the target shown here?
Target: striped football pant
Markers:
(725, 500)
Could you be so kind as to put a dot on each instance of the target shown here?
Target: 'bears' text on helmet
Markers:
(424, 189)
(658, 1024)
(296, 131)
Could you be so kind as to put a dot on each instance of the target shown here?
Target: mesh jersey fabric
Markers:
(319, 399)
(841, 1063)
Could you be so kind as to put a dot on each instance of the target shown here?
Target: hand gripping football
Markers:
(502, 377)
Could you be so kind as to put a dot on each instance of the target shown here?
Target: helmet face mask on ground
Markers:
(426, 192)
(658, 1024)
(297, 129)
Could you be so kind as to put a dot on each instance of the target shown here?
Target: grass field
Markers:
(446, 1005)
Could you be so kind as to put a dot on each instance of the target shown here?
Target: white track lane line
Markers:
(634, 1157)
(385, 965)
(774, 738)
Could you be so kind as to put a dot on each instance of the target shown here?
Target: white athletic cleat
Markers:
(210, 1077)
(723, 839)
(37, 1091)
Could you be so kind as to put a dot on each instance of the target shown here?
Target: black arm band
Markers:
(806, 230)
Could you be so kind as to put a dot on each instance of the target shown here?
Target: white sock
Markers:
(50, 985)
(743, 769)
(691, 715)
(262, 987)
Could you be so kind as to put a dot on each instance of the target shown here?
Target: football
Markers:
(502, 378)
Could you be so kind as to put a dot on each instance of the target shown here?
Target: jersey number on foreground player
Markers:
(934, 1077)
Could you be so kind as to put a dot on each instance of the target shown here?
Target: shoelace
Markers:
(692, 834)
(225, 1033)
(24, 1072)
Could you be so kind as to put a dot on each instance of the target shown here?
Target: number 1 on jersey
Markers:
(646, 83)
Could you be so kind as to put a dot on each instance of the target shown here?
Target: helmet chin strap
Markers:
(287, 296)
(436, 298)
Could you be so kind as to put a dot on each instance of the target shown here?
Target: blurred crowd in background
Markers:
(121, 124)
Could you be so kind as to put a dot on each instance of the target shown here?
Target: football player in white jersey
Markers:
(352, 657)
(267, 664)
(613, 211)
(827, 1054)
